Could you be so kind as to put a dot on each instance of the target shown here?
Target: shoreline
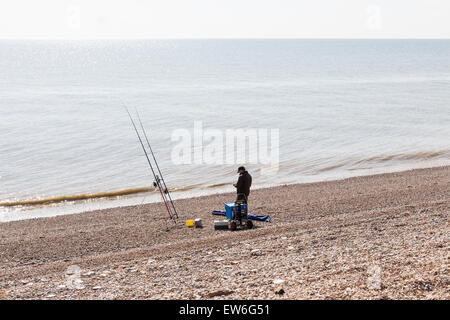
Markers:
(325, 241)
(81, 204)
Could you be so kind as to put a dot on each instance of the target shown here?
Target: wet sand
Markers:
(373, 237)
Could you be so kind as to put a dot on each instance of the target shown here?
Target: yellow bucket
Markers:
(190, 223)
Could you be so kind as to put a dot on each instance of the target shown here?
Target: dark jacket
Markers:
(244, 183)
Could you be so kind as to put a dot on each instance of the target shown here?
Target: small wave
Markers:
(332, 167)
(424, 155)
(421, 155)
(357, 165)
(216, 185)
(76, 197)
(360, 168)
(185, 188)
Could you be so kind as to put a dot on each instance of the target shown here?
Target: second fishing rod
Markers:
(166, 189)
(158, 181)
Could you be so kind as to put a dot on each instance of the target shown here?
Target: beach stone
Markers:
(51, 296)
(278, 281)
(70, 271)
(219, 293)
(280, 291)
(96, 288)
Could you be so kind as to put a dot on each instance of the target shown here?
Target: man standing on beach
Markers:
(243, 184)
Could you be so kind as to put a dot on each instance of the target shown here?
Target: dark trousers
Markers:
(242, 197)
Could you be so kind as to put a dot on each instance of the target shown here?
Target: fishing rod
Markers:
(151, 167)
(166, 190)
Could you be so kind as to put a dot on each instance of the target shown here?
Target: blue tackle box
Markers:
(229, 206)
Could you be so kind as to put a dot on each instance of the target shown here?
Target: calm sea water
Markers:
(343, 107)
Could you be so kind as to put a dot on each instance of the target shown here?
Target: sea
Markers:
(335, 109)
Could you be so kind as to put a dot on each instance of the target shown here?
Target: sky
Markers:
(142, 19)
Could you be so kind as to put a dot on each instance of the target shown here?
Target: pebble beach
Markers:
(383, 236)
